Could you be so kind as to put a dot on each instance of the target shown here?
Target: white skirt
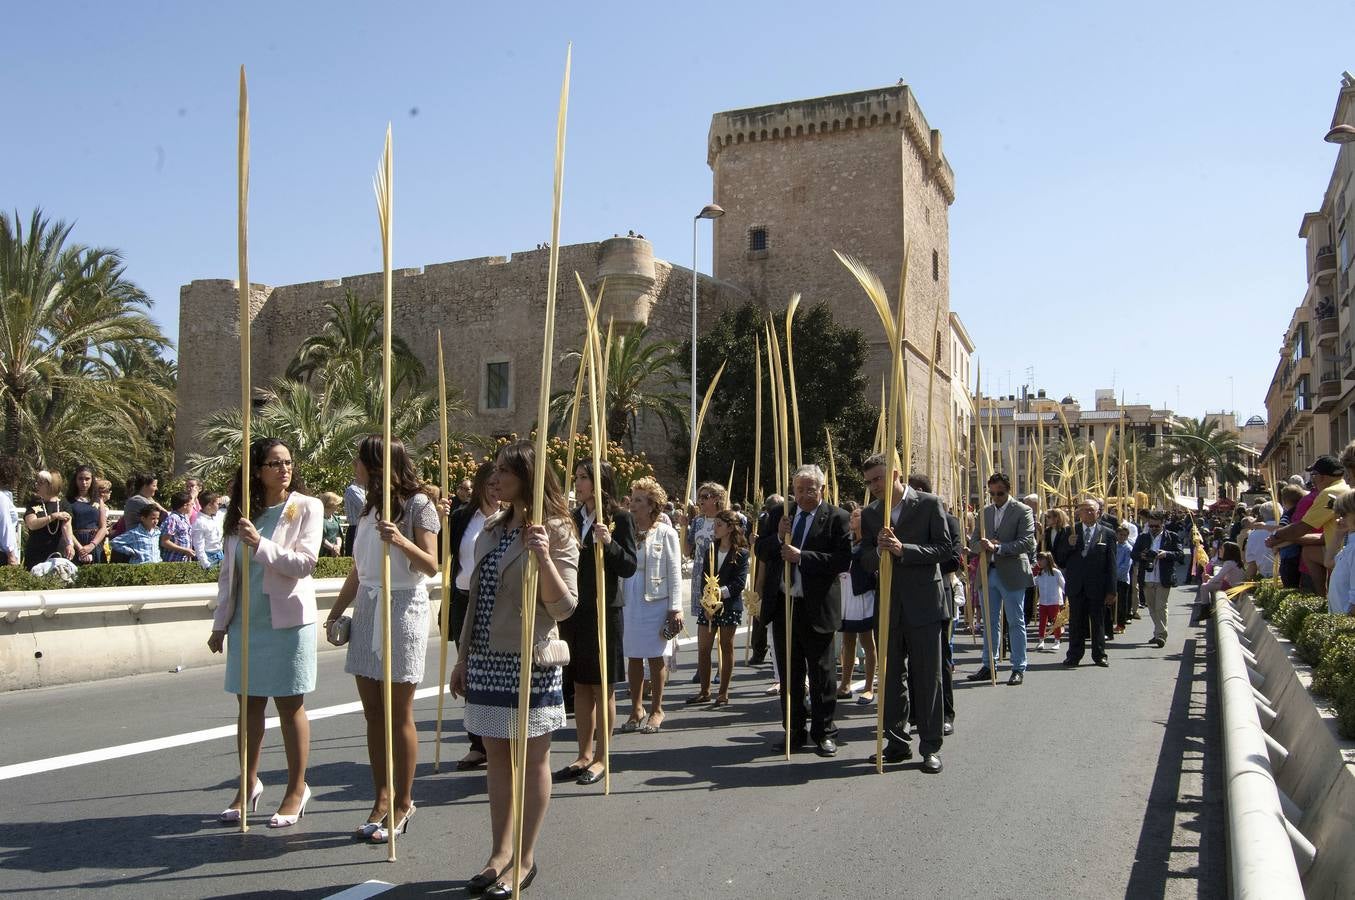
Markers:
(858, 610)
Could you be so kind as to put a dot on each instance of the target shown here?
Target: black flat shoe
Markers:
(1016, 678)
(931, 763)
(826, 747)
(568, 773)
(698, 698)
(589, 777)
(896, 752)
(466, 765)
(1071, 663)
(504, 890)
(983, 674)
(481, 883)
(947, 728)
(1103, 663)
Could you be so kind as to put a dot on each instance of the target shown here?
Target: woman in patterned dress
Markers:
(414, 555)
(486, 673)
(729, 552)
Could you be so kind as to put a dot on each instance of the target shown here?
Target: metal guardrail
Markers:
(12, 603)
(1266, 851)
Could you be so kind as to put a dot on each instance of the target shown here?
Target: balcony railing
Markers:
(1325, 262)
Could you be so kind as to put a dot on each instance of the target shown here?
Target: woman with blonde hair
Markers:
(488, 670)
(48, 520)
(652, 611)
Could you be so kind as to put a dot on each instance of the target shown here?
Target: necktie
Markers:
(1086, 539)
(797, 538)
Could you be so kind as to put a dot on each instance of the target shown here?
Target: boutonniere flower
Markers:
(290, 512)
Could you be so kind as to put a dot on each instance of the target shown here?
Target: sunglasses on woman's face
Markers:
(278, 465)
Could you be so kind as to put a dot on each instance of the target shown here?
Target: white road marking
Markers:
(88, 757)
(362, 891)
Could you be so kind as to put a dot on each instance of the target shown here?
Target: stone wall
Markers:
(489, 309)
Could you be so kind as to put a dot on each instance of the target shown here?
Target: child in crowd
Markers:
(142, 543)
(332, 539)
(176, 538)
(206, 535)
(1049, 587)
(1124, 561)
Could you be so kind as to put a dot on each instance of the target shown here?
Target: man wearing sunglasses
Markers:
(1007, 543)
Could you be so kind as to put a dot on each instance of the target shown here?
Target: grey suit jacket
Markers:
(1016, 541)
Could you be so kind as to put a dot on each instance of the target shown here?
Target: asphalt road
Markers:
(1087, 782)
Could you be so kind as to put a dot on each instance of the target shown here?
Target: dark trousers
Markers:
(811, 652)
(1125, 602)
(459, 605)
(757, 634)
(1289, 572)
(913, 682)
(1086, 615)
(1140, 578)
(947, 663)
(1029, 608)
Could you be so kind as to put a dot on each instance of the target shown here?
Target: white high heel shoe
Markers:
(281, 821)
(232, 816)
(381, 835)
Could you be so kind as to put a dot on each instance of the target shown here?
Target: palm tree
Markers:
(345, 356)
(64, 308)
(642, 378)
(1200, 449)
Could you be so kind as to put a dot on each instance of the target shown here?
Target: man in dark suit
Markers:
(918, 540)
(1087, 558)
(950, 569)
(757, 630)
(816, 542)
(1158, 552)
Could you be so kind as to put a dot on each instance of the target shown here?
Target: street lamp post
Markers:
(709, 211)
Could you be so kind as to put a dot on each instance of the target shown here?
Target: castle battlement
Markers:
(887, 107)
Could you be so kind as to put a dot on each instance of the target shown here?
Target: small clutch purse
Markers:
(551, 653)
(339, 630)
(670, 630)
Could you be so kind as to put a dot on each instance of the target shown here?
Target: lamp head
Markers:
(712, 211)
(1341, 134)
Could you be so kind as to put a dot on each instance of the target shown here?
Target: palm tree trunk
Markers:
(618, 423)
(12, 433)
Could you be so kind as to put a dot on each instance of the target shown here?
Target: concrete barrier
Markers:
(1317, 776)
(74, 636)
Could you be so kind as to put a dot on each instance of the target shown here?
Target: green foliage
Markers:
(1272, 601)
(17, 578)
(81, 377)
(1345, 712)
(1200, 449)
(333, 567)
(1336, 670)
(1294, 609)
(829, 386)
(1319, 629)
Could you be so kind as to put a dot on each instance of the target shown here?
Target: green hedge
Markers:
(100, 575)
(1337, 666)
(1293, 610)
(1319, 630)
(1271, 602)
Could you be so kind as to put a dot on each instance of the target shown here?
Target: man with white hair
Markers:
(816, 541)
(1087, 559)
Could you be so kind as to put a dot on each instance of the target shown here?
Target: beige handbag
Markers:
(550, 653)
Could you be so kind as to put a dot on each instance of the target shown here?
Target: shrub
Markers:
(333, 566)
(1336, 671)
(1319, 630)
(122, 575)
(17, 578)
(1293, 610)
(1274, 601)
(1345, 714)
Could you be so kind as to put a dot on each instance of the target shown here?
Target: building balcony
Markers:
(1324, 264)
(1327, 330)
(1328, 390)
(1302, 366)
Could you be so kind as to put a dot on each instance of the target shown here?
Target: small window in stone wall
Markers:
(497, 381)
(936, 266)
(757, 238)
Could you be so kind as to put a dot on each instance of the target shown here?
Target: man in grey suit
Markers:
(1008, 541)
(918, 540)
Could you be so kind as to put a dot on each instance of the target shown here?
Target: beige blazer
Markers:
(288, 559)
(505, 623)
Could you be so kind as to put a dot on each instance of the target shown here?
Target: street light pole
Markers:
(710, 211)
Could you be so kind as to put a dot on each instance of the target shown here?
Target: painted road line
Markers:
(362, 891)
(88, 757)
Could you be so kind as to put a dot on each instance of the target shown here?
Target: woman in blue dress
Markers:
(282, 538)
(488, 669)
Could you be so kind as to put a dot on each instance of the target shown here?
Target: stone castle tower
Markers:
(796, 180)
(849, 172)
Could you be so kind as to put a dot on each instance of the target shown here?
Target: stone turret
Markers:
(627, 265)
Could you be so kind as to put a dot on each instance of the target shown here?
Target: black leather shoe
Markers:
(931, 763)
(1016, 678)
(896, 752)
(568, 773)
(1103, 663)
(826, 747)
(503, 889)
(1158, 643)
(796, 743)
(947, 727)
(983, 674)
(1071, 663)
(481, 883)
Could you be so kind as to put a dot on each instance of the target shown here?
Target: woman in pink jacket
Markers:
(282, 538)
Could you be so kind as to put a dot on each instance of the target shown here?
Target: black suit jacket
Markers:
(457, 521)
(825, 553)
(954, 562)
(916, 588)
(1144, 556)
(734, 575)
(618, 558)
(1090, 577)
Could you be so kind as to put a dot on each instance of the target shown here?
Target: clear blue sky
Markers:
(1130, 180)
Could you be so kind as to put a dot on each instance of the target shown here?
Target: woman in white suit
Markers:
(283, 538)
(653, 604)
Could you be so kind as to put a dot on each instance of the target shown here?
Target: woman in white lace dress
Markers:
(411, 531)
